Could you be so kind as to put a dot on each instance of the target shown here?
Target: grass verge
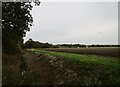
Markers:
(109, 62)
(92, 69)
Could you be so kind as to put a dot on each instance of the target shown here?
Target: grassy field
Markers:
(103, 51)
(93, 59)
(91, 69)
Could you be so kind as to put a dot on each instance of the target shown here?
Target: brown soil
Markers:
(39, 70)
(49, 70)
(112, 52)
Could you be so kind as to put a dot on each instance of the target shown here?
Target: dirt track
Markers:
(44, 70)
(49, 70)
(37, 70)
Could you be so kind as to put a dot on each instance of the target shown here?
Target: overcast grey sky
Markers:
(75, 22)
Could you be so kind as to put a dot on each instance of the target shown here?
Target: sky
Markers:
(75, 22)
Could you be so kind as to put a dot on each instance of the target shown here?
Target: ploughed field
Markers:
(102, 51)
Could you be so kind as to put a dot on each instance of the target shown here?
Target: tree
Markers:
(29, 43)
(16, 21)
(47, 45)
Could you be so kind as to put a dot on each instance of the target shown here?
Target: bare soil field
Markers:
(106, 51)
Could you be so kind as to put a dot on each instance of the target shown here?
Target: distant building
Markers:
(86, 46)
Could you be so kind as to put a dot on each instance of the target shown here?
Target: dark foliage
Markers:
(36, 44)
(16, 21)
(83, 45)
(103, 45)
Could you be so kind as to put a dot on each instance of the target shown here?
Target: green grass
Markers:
(91, 69)
(109, 62)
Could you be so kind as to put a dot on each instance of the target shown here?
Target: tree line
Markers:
(16, 21)
(36, 44)
(83, 45)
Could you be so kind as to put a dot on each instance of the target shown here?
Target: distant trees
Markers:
(16, 21)
(83, 45)
(72, 45)
(36, 44)
(29, 43)
(98, 45)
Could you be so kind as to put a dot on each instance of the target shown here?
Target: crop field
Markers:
(103, 51)
(82, 69)
(103, 60)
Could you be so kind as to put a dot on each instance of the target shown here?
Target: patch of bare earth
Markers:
(48, 70)
(39, 70)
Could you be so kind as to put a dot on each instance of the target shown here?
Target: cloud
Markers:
(71, 22)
